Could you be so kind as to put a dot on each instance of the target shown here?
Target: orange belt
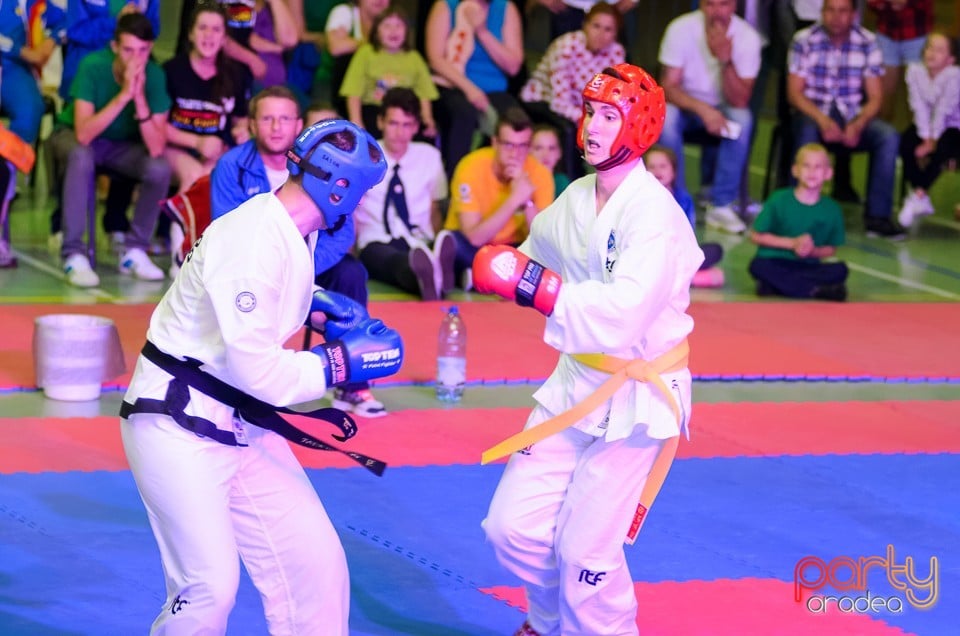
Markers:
(620, 371)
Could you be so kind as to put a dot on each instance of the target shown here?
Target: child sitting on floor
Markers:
(662, 164)
(796, 229)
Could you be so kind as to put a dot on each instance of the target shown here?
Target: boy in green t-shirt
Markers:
(117, 120)
(797, 228)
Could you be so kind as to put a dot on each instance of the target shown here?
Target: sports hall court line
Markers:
(57, 273)
(900, 280)
(888, 252)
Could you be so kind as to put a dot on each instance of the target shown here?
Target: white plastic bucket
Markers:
(74, 354)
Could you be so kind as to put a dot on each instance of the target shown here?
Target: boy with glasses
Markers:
(496, 191)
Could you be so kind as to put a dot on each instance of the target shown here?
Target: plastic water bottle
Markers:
(451, 357)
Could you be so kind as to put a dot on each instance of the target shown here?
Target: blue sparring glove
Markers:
(368, 351)
(343, 313)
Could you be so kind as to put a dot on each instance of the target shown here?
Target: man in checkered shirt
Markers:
(834, 85)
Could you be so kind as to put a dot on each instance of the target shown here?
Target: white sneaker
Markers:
(722, 217)
(78, 271)
(925, 205)
(136, 263)
(914, 205)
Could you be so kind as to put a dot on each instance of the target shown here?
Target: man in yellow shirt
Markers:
(496, 191)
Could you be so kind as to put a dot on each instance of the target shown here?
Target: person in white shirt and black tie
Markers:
(397, 221)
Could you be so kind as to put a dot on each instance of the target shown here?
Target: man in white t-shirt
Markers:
(710, 60)
(398, 218)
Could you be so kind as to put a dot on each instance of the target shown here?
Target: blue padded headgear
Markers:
(336, 179)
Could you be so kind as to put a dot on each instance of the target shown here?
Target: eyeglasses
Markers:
(270, 120)
(512, 147)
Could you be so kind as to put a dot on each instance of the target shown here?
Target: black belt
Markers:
(186, 373)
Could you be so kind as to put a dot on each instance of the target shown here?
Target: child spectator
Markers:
(795, 230)
(385, 62)
(662, 164)
(545, 148)
(348, 26)
(209, 93)
(933, 88)
(552, 94)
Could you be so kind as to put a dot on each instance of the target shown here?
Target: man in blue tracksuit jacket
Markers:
(258, 166)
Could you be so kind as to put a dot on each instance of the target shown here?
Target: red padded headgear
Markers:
(642, 106)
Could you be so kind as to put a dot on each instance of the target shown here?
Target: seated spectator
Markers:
(832, 65)
(260, 31)
(349, 25)
(90, 25)
(15, 154)
(260, 165)
(545, 148)
(473, 48)
(496, 192)
(567, 16)
(662, 164)
(553, 93)
(710, 60)
(117, 119)
(25, 47)
(933, 139)
(397, 220)
(797, 228)
(902, 27)
(209, 92)
(387, 61)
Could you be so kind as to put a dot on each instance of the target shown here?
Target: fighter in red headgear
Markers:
(609, 263)
(641, 103)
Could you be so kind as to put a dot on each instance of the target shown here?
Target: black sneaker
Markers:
(883, 227)
(837, 292)
(422, 264)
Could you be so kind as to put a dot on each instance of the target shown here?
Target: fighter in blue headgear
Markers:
(339, 161)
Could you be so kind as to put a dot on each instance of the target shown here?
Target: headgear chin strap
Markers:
(335, 178)
(642, 107)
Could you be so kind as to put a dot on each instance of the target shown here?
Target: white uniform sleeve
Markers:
(248, 310)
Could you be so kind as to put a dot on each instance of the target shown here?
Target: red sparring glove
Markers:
(507, 272)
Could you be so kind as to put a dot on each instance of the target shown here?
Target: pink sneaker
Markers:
(711, 277)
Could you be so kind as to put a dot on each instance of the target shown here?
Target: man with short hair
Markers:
(260, 165)
(117, 120)
(711, 58)
(201, 423)
(833, 65)
(496, 192)
(398, 218)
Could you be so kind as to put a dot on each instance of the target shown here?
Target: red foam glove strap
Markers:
(507, 272)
